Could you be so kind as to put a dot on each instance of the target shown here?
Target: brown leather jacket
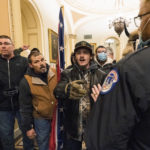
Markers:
(43, 99)
(36, 97)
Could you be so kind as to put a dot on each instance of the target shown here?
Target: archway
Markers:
(31, 26)
(114, 43)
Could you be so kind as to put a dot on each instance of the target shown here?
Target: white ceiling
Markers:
(103, 6)
(103, 10)
(98, 14)
(94, 15)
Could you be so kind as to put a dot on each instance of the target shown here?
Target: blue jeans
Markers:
(42, 129)
(7, 121)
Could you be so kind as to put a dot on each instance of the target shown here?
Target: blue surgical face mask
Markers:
(102, 56)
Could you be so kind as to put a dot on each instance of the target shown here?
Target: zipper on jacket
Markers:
(12, 105)
(8, 74)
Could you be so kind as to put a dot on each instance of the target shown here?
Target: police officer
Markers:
(120, 119)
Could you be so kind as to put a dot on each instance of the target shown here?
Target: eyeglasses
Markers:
(5, 43)
(137, 20)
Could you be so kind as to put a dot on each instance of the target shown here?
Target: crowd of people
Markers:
(106, 105)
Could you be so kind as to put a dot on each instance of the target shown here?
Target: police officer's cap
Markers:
(83, 44)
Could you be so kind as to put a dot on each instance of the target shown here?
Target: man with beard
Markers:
(36, 99)
(74, 89)
(120, 119)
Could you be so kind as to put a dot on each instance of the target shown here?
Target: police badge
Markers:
(110, 81)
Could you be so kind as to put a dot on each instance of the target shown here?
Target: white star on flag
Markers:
(61, 70)
(61, 48)
(61, 147)
(61, 109)
(61, 25)
(61, 128)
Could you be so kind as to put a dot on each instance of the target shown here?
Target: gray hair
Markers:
(110, 50)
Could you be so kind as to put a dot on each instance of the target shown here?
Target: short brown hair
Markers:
(5, 37)
(33, 54)
(100, 46)
(35, 50)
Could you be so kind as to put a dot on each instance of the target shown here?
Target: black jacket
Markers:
(18, 51)
(120, 119)
(71, 107)
(106, 68)
(11, 72)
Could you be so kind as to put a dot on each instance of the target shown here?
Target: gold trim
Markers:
(11, 22)
(93, 47)
(53, 45)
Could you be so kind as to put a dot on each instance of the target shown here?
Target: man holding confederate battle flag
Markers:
(74, 89)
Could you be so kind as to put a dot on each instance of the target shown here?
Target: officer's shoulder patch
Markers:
(110, 81)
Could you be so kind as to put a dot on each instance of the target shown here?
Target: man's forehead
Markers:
(39, 57)
(5, 39)
(83, 50)
(101, 49)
